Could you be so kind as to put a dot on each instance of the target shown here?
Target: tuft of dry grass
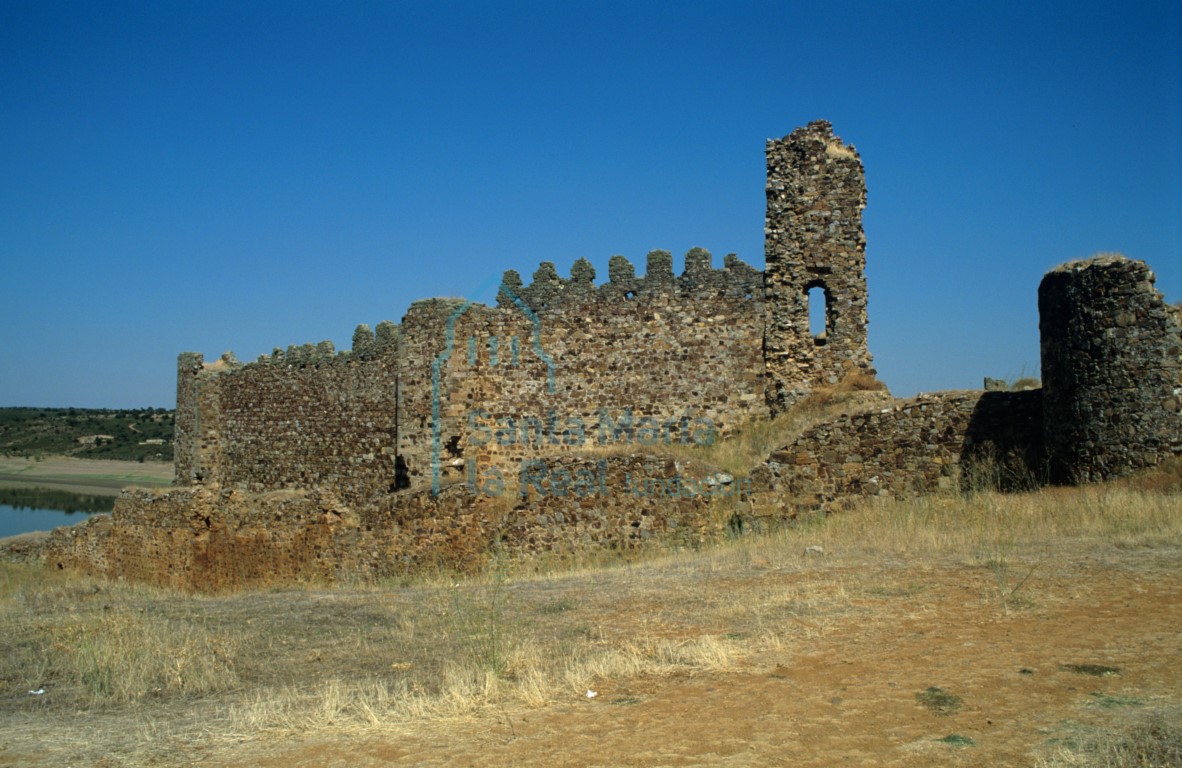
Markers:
(1150, 739)
(836, 149)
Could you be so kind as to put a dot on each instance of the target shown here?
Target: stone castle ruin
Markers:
(551, 422)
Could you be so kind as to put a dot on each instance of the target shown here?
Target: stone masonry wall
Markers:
(461, 391)
(1111, 368)
(537, 425)
(187, 439)
(328, 426)
(213, 540)
(304, 418)
(816, 191)
(941, 441)
(559, 367)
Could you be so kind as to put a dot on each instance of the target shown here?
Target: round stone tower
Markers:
(1111, 369)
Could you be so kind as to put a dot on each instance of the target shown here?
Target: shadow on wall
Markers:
(1003, 445)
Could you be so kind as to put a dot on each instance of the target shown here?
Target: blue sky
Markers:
(208, 176)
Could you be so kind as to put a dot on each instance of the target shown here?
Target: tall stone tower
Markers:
(814, 250)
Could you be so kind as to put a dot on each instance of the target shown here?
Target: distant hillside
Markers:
(143, 434)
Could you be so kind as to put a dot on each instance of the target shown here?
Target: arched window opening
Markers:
(818, 304)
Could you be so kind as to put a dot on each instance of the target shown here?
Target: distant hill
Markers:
(138, 434)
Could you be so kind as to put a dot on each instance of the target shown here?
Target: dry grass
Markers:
(835, 149)
(100, 646)
(1148, 740)
(164, 668)
(754, 441)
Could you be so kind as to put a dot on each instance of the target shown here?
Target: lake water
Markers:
(14, 521)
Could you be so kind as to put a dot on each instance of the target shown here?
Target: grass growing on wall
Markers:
(753, 442)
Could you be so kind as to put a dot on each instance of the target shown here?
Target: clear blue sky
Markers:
(208, 176)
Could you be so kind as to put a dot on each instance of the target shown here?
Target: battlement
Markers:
(734, 280)
(548, 290)
(367, 342)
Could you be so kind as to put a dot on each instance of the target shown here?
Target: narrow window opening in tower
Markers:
(818, 314)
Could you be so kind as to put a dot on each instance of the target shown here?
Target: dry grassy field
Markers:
(97, 476)
(1032, 629)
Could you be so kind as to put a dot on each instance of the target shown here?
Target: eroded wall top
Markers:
(1111, 369)
(814, 251)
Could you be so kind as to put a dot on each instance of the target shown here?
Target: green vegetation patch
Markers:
(1095, 670)
(939, 701)
(48, 498)
(1108, 701)
(137, 434)
(956, 740)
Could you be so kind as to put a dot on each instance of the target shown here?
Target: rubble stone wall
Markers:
(636, 362)
(947, 440)
(213, 540)
(814, 241)
(461, 389)
(541, 424)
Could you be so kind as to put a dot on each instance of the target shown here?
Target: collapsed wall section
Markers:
(943, 441)
(814, 251)
(1111, 369)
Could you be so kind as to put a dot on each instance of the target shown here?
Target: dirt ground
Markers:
(848, 691)
(991, 630)
(848, 695)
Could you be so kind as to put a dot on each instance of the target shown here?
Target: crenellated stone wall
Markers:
(647, 361)
(462, 391)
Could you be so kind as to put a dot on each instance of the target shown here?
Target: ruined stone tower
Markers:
(1111, 369)
(814, 250)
